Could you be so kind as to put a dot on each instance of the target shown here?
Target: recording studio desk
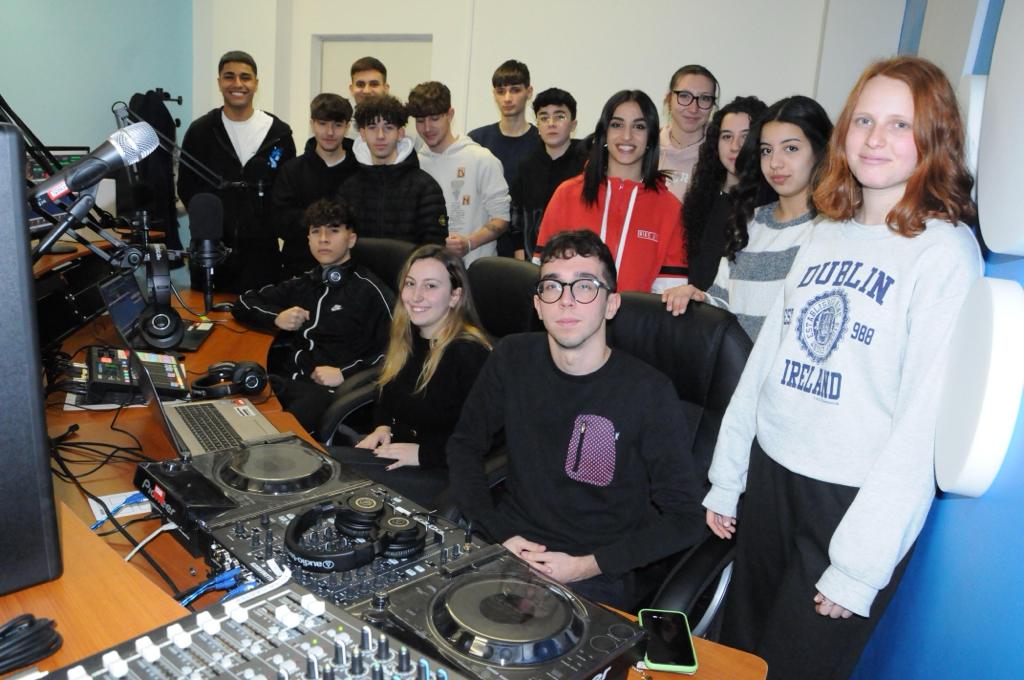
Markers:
(100, 600)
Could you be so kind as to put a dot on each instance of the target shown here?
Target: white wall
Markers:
(856, 33)
(771, 48)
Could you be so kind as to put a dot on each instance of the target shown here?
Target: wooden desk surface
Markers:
(134, 598)
(229, 341)
(98, 602)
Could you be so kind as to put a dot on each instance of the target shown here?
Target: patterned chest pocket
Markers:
(591, 455)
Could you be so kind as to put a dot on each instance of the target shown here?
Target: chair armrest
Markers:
(496, 469)
(355, 393)
(698, 569)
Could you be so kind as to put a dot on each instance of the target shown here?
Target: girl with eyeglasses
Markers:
(707, 205)
(831, 430)
(772, 213)
(435, 352)
(690, 101)
(622, 196)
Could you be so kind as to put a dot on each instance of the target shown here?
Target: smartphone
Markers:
(669, 645)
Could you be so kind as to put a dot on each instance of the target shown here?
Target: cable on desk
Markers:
(170, 526)
(174, 289)
(145, 518)
(113, 520)
(239, 589)
(26, 639)
(136, 497)
(90, 449)
(226, 581)
(138, 444)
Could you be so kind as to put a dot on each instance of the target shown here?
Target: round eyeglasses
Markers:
(685, 98)
(583, 291)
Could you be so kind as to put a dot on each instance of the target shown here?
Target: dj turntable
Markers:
(490, 615)
(345, 548)
(212, 490)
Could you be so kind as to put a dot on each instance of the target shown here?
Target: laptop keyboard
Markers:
(209, 427)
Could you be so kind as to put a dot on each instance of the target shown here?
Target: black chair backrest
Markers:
(702, 351)
(503, 294)
(385, 257)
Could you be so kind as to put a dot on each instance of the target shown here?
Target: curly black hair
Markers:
(753, 189)
(708, 176)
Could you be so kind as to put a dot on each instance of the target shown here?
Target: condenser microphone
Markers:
(206, 222)
(122, 149)
(124, 120)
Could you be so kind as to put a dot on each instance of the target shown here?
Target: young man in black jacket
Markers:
(245, 148)
(392, 196)
(601, 477)
(339, 315)
(541, 172)
(323, 167)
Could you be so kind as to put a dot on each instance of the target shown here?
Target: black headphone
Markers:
(340, 555)
(359, 516)
(160, 324)
(333, 276)
(228, 377)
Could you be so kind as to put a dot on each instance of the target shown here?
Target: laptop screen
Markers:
(154, 404)
(124, 300)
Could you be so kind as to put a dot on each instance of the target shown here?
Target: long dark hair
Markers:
(753, 189)
(597, 165)
(708, 177)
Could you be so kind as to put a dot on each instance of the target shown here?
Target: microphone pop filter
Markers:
(206, 218)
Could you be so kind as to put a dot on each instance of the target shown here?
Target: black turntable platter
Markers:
(275, 468)
(506, 621)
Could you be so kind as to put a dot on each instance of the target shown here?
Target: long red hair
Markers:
(940, 186)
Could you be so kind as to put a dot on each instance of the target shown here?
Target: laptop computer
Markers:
(205, 426)
(125, 301)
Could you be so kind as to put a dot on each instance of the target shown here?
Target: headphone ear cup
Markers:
(250, 377)
(333, 276)
(160, 326)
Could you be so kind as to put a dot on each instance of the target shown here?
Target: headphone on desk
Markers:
(160, 324)
(228, 377)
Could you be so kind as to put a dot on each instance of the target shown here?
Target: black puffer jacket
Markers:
(399, 201)
(300, 183)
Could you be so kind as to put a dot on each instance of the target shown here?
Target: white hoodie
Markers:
(361, 150)
(474, 187)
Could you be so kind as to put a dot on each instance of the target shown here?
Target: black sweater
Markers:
(248, 227)
(705, 258)
(428, 417)
(300, 183)
(599, 463)
(536, 181)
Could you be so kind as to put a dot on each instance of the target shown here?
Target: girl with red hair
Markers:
(830, 433)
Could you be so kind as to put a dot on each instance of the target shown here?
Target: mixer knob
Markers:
(404, 662)
(356, 667)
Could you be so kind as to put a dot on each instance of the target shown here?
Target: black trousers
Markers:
(784, 528)
(420, 485)
(304, 399)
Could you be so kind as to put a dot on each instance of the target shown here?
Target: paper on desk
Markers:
(112, 501)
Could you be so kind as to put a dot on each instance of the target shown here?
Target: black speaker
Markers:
(28, 518)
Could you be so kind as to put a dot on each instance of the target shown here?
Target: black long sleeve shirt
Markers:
(428, 417)
(598, 464)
